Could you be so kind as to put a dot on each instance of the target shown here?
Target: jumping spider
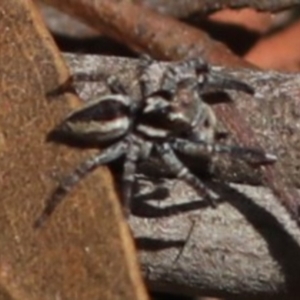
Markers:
(171, 117)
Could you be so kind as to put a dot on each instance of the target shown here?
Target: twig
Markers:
(248, 247)
(143, 29)
(184, 8)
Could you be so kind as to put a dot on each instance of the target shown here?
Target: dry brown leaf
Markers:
(85, 250)
(279, 51)
(247, 18)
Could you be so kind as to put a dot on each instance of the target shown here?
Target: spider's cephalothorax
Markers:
(170, 118)
(182, 120)
(178, 89)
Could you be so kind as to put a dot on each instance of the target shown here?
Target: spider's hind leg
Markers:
(137, 149)
(181, 171)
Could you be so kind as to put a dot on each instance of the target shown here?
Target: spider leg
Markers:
(128, 179)
(219, 81)
(145, 60)
(183, 71)
(204, 148)
(117, 88)
(112, 82)
(181, 171)
(107, 155)
(115, 85)
(83, 77)
(145, 63)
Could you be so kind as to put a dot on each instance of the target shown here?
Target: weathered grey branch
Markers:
(248, 247)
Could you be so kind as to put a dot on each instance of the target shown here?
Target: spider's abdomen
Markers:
(101, 120)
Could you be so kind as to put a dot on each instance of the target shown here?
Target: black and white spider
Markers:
(170, 118)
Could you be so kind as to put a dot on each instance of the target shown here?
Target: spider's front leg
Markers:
(68, 183)
(210, 80)
(181, 171)
(203, 148)
(218, 81)
(128, 178)
(137, 149)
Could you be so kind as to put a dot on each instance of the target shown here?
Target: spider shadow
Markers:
(156, 245)
(266, 224)
(272, 231)
(141, 207)
(216, 97)
(156, 175)
(65, 87)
